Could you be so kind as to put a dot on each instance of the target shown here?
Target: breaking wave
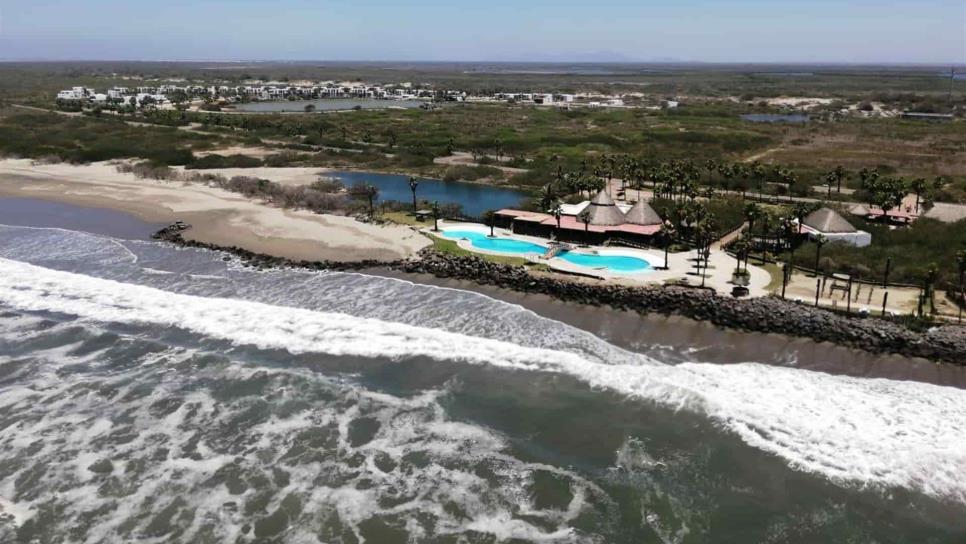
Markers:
(854, 431)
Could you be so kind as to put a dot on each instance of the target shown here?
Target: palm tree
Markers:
(741, 248)
(489, 218)
(435, 216)
(557, 213)
(752, 214)
(668, 235)
(820, 241)
(584, 218)
(413, 183)
(801, 210)
(711, 165)
(929, 289)
(919, 187)
(547, 197)
(961, 265)
(371, 193)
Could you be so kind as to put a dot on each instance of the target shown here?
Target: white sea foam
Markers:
(168, 437)
(852, 430)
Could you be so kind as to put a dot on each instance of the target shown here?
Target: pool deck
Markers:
(681, 265)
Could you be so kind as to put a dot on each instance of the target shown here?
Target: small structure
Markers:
(828, 223)
(603, 212)
(923, 116)
(642, 214)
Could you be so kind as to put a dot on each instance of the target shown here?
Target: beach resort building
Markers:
(598, 222)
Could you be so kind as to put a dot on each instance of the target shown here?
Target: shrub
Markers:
(221, 161)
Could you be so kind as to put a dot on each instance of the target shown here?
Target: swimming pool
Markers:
(613, 263)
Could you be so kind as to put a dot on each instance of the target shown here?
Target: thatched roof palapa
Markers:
(604, 212)
(828, 220)
(642, 214)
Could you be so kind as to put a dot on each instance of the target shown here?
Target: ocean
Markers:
(155, 394)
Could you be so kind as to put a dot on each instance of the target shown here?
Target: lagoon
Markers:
(327, 104)
(475, 198)
(795, 118)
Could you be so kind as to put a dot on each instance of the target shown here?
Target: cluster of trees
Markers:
(887, 192)
(679, 180)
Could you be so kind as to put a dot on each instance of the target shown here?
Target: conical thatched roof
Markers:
(859, 209)
(642, 214)
(604, 212)
(827, 220)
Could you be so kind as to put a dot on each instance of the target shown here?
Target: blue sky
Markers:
(925, 31)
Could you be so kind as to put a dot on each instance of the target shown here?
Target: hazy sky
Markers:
(542, 30)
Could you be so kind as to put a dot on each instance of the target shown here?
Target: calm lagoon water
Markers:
(795, 118)
(327, 104)
(475, 198)
(151, 393)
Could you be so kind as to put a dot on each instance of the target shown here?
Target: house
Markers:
(543, 99)
(70, 95)
(828, 223)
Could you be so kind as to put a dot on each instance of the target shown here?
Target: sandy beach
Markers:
(217, 216)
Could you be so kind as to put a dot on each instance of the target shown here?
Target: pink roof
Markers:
(516, 213)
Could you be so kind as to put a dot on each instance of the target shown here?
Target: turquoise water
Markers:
(616, 263)
(502, 245)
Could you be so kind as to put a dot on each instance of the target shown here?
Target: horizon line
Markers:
(545, 62)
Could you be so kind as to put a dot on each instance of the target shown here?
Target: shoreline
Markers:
(762, 315)
(219, 217)
(667, 337)
(690, 340)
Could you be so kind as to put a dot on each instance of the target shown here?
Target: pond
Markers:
(327, 104)
(796, 118)
(475, 198)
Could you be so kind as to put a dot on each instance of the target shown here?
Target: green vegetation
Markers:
(703, 163)
(231, 161)
(82, 139)
(912, 251)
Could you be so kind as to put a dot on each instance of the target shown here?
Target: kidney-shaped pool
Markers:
(512, 246)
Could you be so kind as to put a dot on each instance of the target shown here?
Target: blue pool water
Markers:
(615, 263)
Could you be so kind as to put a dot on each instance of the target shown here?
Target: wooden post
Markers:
(885, 279)
(785, 273)
(818, 289)
(848, 298)
(885, 300)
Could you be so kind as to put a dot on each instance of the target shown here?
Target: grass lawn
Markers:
(404, 218)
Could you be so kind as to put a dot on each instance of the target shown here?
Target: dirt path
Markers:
(462, 158)
(763, 154)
